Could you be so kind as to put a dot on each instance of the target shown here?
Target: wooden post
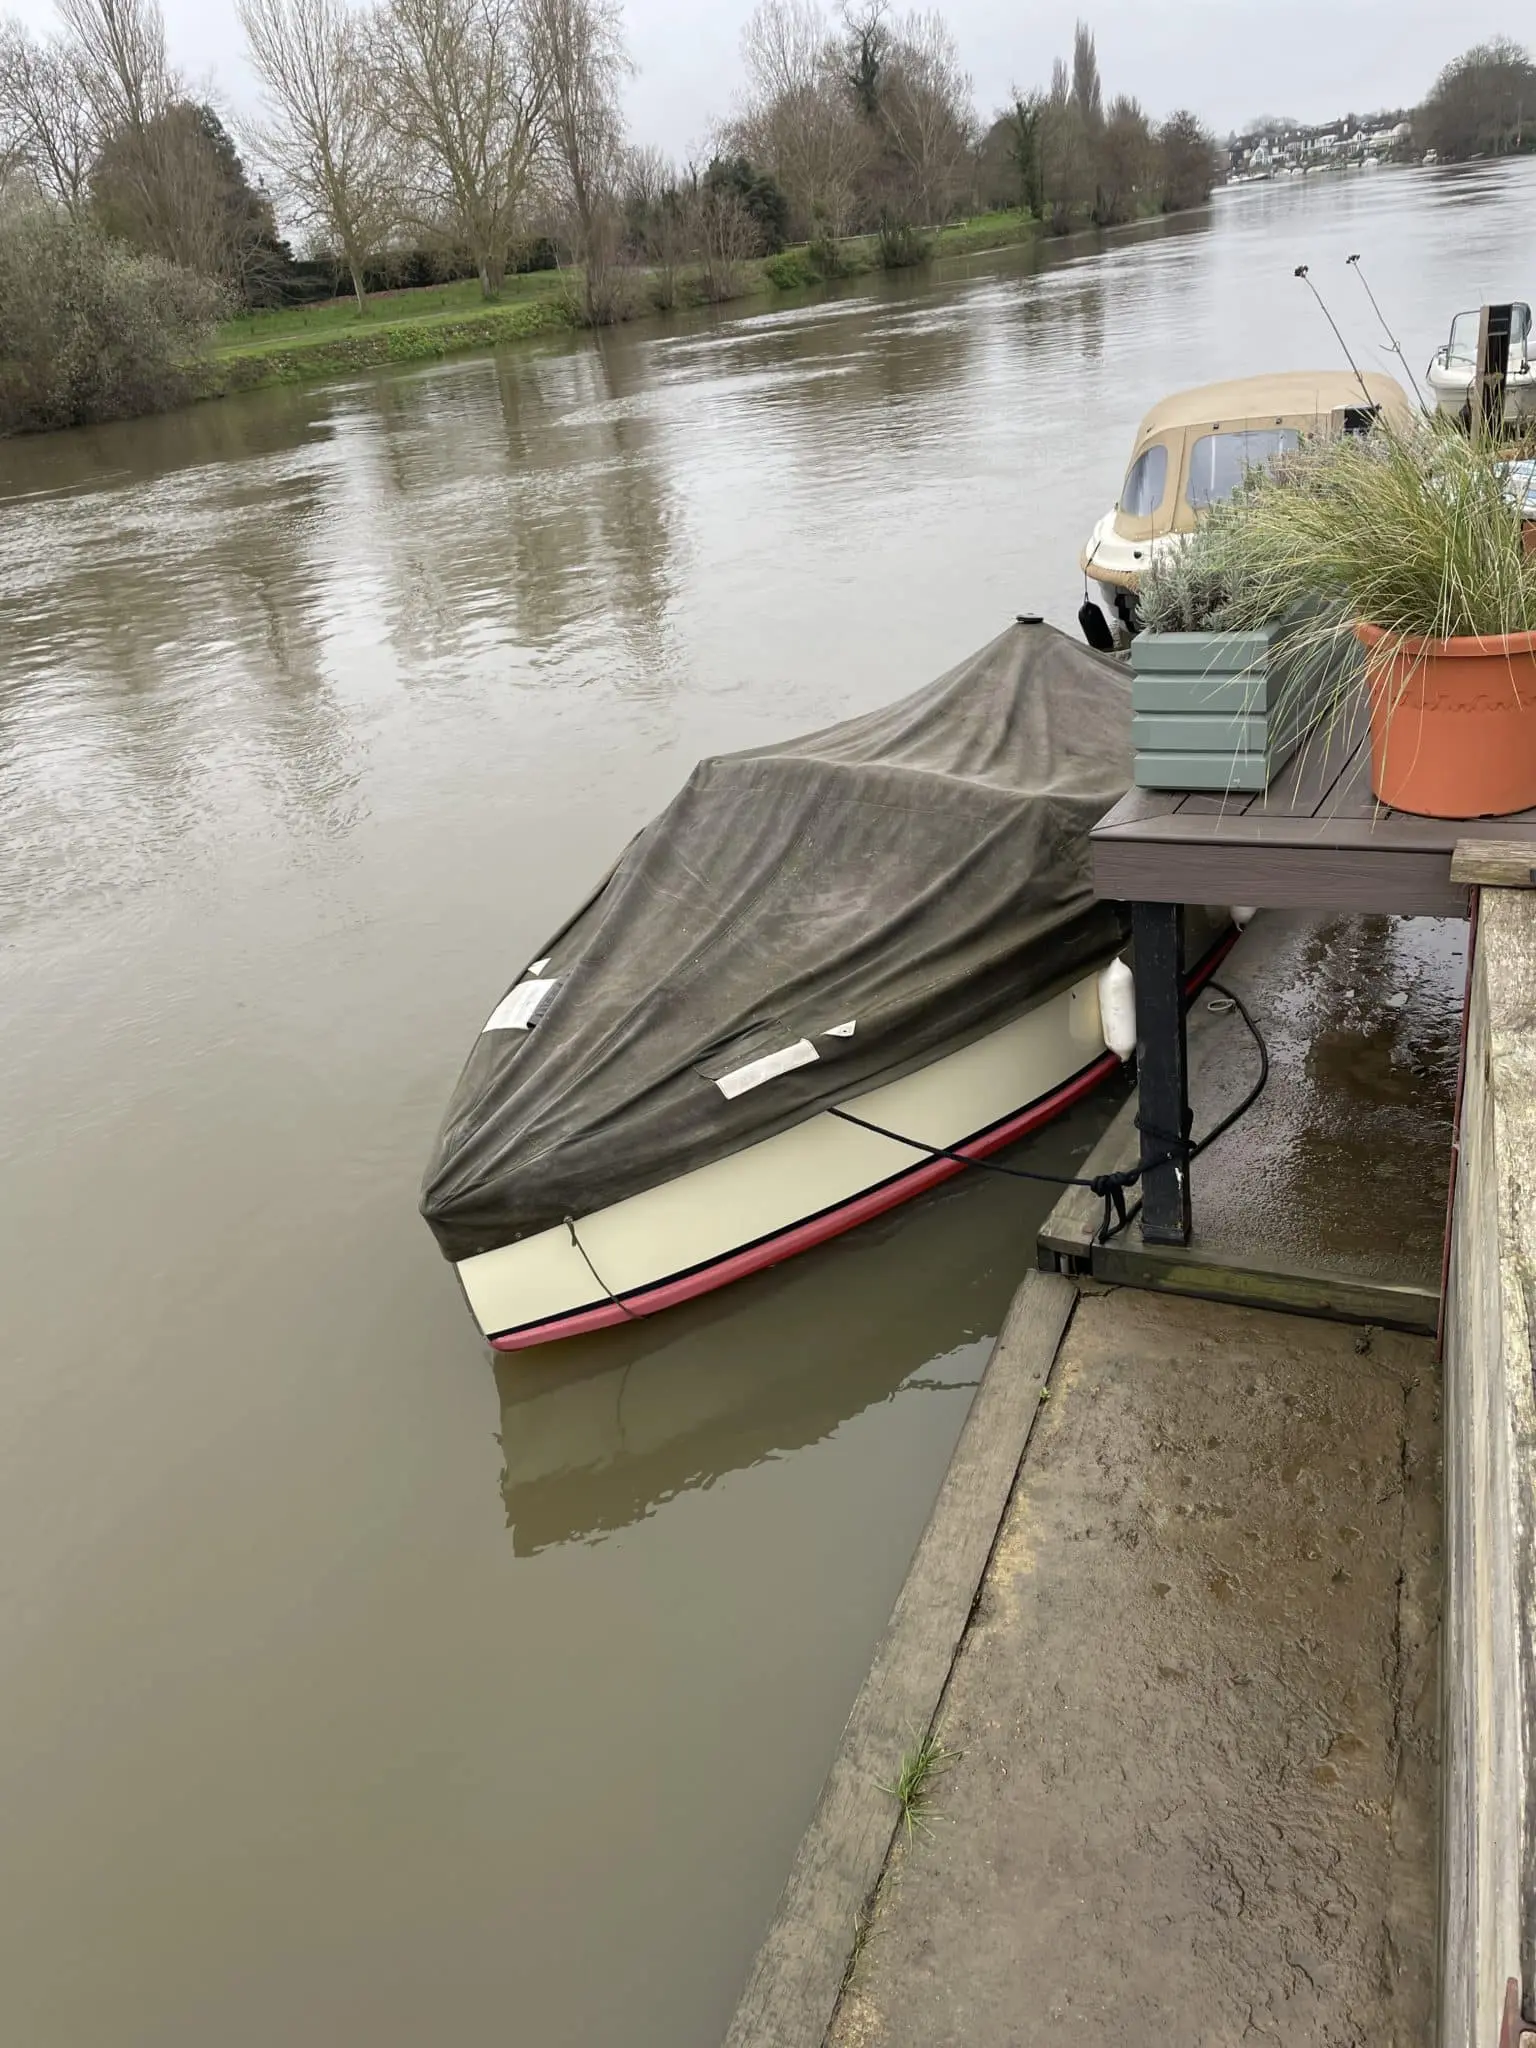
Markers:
(1493, 332)
(1162, 1065)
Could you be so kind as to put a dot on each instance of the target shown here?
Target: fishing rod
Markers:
(1306, 277)
(1353, 263)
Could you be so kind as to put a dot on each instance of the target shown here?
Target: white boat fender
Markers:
(1243, 915)
(1117, 1008)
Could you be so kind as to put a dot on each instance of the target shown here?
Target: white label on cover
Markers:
(539, 966)
(841, 1030)
(756, 1072)
(515, 1009)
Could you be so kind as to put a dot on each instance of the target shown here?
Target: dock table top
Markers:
(1315, 839)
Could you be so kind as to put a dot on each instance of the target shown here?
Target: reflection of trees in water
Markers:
(164, 649)
(524, 502)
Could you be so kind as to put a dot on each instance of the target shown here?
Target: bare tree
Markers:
(1484, 104)
(800, 120)
(784, 46)
(1126, 162)
(174, 186)
(1190, 161)
(583, 44)
(723, 233)
(658, 219)
(165, 176)
(468, 84)
(1065, 154)
(119, 48)
(1087, 91)
(325, 142)
(47, 128)
(927, 114)
(866, 46)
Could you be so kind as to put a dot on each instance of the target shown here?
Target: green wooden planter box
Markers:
(1224, 711)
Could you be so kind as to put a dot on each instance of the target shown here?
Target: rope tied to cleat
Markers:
(1110, 1188)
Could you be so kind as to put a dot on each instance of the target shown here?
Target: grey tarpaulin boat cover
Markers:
(801, 922)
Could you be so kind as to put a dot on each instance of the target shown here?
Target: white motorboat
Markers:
(891, 924)
(1453, 371)
(1192, 451)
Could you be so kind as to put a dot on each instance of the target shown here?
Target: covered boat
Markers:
(893, 919)
(1193, 450)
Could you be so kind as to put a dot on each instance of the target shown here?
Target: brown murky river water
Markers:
(355, 1692)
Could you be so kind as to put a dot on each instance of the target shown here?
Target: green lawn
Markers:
(293, 344)
(985, 231)
(286, 327)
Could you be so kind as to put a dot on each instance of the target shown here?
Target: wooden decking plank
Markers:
(1137, 806)
(1495, 863)
(1398, 881)
(1214, 1276)
(1202, 804)
(1351, 795)
(1386, 833)
(1314, 771)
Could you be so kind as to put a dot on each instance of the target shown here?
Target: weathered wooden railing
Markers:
(1488, 1849)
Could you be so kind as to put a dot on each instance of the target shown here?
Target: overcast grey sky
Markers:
(1228, 59)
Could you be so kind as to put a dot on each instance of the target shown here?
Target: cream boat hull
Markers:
(795, 1189)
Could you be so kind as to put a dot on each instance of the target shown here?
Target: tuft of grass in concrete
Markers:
(915, 1782)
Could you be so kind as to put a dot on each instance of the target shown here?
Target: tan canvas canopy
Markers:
(1193, 449)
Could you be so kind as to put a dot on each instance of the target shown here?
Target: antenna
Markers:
(1306, 277)
(1353, 263)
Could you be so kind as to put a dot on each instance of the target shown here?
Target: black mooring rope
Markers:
(1110, 1188)
(633, 1314)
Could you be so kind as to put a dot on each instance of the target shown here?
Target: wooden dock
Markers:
(1316, 839)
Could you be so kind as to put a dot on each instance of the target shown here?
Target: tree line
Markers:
(408, 140)
(1482, 104)
(868, 118)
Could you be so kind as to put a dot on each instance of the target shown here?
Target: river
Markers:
(356, 1691)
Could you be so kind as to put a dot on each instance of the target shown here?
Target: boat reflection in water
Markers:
(601, 1431)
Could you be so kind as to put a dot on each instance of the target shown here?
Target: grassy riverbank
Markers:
(293, 345)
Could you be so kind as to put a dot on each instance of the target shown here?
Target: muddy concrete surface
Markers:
(1193, 1791)
(1343, 1165)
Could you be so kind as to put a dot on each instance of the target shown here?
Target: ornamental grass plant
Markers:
(1410, 540)
(1414, 529)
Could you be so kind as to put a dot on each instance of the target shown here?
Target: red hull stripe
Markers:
(814, 1230)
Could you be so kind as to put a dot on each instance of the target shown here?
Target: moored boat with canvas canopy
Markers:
(1192, 451)
(886, 927)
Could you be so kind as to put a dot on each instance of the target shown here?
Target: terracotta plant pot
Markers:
(1453, 723)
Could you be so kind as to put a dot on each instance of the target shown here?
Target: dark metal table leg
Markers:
(1162, 1066)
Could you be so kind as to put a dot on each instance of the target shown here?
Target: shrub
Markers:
(900, 245)
(757, 193)
(600, 298)
(89, 329)
(789, 270)
(826, 257)
(1210, 584)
